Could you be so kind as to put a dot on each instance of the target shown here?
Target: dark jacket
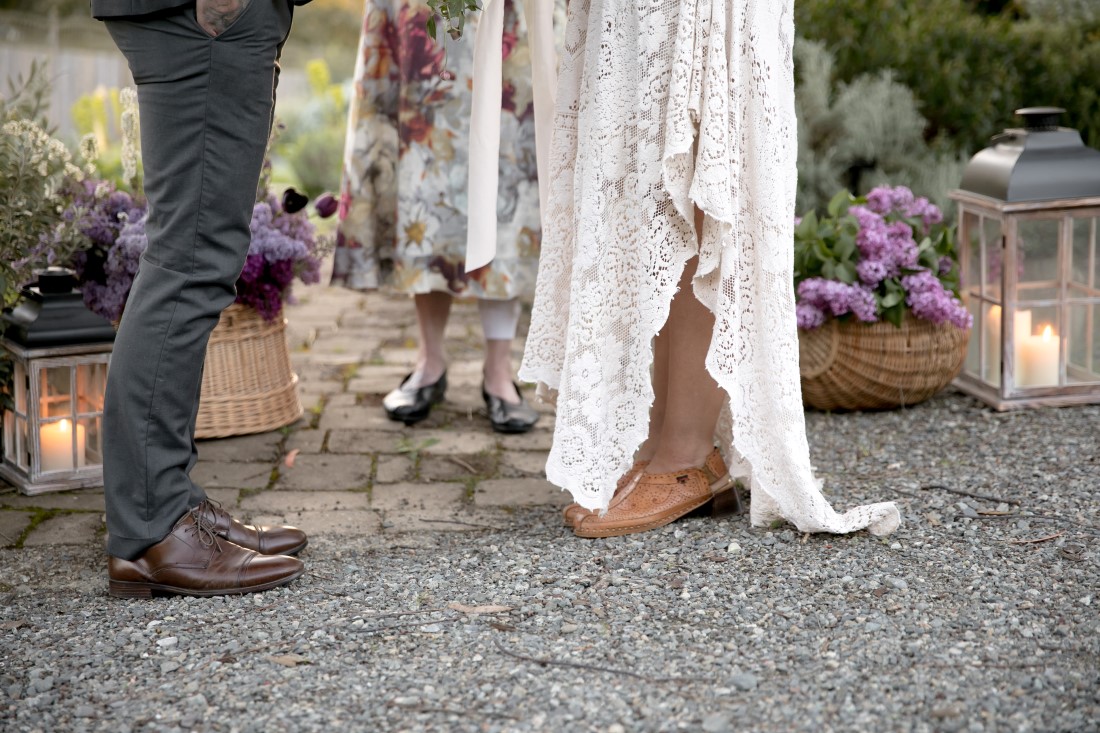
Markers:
(122, 8)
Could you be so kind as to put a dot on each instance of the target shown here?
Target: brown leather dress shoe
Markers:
(282, 540)
(193, 561)
(657, 499)
(574, 513)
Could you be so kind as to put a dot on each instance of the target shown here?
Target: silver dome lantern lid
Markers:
(1038, 162)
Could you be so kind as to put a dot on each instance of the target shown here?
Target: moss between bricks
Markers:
(38, 516)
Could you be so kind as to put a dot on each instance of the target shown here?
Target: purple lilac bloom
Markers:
(283, 246)
(880, 200)
(871, 272)
(928, 299)
(836, 298)
(901, 198)
(903, 251)
(809, 316)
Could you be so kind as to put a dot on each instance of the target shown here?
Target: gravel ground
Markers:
(979, 614)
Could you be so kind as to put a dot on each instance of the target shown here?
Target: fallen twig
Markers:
(452, 711)
(1042, 518)
(391, 627)
(391, 614)
(1037, 539)
(464, 464)
(983, 497)
(466, 524)
(594, 667)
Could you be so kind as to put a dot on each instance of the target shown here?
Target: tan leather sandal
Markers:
(656, 499)
(575, 512)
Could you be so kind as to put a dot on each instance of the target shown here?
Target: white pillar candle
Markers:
(55, 441)
(1038, 365)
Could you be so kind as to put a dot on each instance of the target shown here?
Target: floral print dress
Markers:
(403, 192)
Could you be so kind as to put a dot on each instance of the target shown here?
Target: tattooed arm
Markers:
(215, 16)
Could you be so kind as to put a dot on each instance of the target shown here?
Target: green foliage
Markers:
(34, 168)
(312, 144)
(861, 134)
(453, 13)
(1085, 11)
(967, 69)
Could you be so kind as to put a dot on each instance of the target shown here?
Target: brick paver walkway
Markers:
(344, 467)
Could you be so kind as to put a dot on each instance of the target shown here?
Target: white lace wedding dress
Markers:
(664, 105)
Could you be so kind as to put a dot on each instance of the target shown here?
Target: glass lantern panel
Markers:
(987, 345)
(1037, 265)
(89, 441)
(1085, 265)
(970, 252)
(56, 392)
(22, 448)
(9, 435)
(1083, 344)
(1038, 347)
(91, 382)
(21, 387)
(992, 242)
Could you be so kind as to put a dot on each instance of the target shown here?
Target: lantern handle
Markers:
(1043, 119)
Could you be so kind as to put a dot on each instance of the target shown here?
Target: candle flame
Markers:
(64, 426)
(1048, 333)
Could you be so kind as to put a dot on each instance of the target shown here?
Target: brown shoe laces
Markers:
(203, 528)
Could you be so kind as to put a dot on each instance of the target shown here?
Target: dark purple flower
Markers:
(293, 201)
(326, 205)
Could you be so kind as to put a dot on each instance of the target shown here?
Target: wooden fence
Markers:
(79, 54)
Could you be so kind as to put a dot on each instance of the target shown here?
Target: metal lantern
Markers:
(1029, 238)
(53, 435)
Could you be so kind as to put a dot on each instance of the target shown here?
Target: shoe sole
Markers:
(506, 430)
(567, 522)
(718, 488)
(293, 551)
(130, 589)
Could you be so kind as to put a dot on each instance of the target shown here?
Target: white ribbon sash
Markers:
(484, 169)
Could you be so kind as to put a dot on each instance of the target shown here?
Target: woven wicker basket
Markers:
(857, 366)
(247, 383)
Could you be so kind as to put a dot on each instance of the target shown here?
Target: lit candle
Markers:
(1038, 364)
(55, 441)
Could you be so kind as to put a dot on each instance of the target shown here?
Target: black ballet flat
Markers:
(410, 405)
(507, 417)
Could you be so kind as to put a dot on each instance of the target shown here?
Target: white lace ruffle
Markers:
(660, 109)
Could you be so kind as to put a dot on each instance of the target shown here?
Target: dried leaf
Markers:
(11, 625)
(288, 461)
(476, 610)
(289, 660)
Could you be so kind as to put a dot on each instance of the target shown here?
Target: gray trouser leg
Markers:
(205, 109)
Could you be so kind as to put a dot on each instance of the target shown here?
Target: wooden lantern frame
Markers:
(22, 463)
(998, 384)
